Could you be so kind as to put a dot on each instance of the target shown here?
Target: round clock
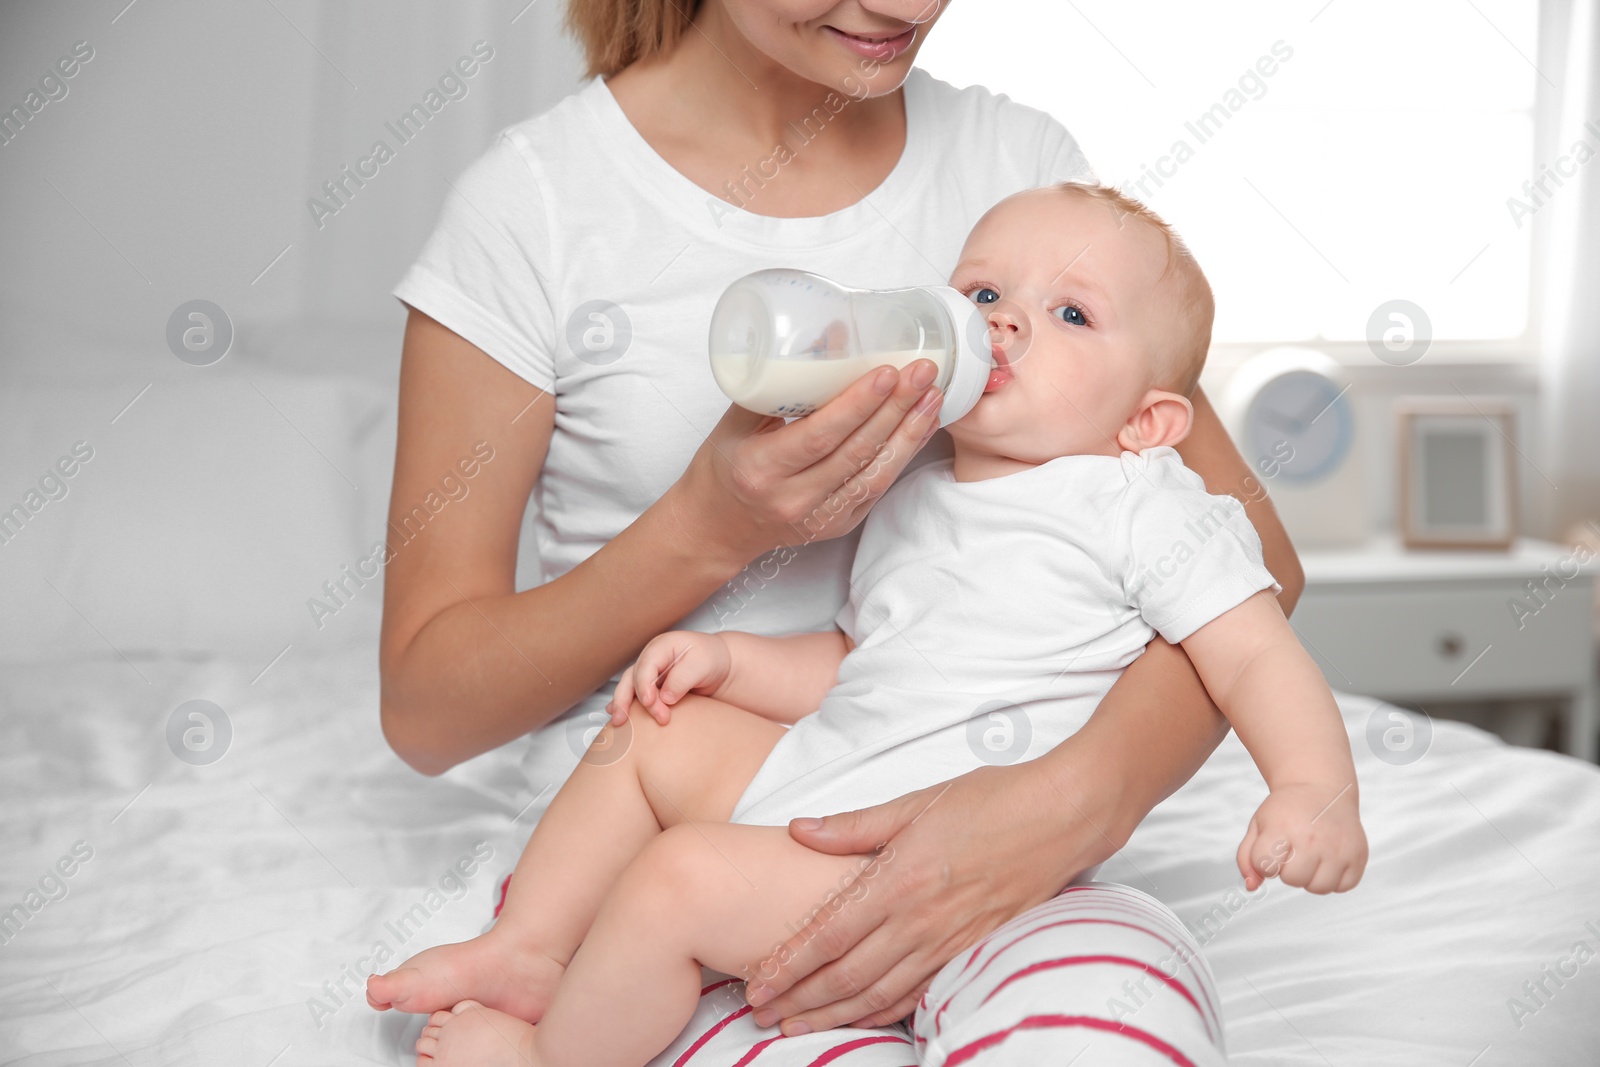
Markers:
(1290, 413)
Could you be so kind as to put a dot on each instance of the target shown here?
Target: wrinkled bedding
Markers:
(225, 913)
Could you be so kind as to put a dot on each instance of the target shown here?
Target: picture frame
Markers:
(1458, 486)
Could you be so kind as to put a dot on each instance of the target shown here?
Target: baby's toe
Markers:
(380, 991)
(393, 989)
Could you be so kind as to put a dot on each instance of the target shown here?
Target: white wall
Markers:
(184, 153)
(180, 162)
(178, 165)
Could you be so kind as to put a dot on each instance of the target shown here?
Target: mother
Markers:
(557, 324)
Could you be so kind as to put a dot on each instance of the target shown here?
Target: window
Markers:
(1321, 159)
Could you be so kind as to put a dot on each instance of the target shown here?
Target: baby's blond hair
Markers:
(1181, 353)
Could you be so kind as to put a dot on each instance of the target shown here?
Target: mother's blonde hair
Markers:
(615, 33)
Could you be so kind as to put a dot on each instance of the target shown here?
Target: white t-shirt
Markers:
(990, 617)
(572, 215)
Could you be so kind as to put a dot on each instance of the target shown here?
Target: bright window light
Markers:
(1320, 158)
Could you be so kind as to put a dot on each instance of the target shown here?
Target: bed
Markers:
(225, 911)
(175, 911)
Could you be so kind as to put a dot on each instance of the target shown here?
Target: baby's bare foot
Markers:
(471, 1035)
(491, 970)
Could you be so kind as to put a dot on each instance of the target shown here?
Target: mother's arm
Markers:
(970, 855)
(466, 662)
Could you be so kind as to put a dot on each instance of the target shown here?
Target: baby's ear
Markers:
(1163, 418)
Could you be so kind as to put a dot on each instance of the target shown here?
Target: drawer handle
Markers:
(1451, 645)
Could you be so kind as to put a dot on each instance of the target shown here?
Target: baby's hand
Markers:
(1308, 835)
(671, 665)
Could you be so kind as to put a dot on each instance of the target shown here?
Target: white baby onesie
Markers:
(990, 617)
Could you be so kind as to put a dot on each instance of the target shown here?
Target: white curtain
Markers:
(1570, 264)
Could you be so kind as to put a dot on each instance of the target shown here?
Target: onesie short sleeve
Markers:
(484, 270)
(1190, 556)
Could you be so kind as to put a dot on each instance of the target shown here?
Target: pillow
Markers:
(201, 515)
(372, 353)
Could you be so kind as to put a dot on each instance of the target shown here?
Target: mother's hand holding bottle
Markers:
(758, 483)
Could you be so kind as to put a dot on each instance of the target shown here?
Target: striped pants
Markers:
(1102, 974)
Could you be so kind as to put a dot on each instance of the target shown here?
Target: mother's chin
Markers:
(861, 54)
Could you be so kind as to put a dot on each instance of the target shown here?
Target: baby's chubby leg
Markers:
(637, 780)
(700, 893)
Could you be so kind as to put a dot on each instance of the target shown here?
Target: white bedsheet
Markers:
(223, 903)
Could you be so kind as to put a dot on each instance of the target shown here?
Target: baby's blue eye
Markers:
(984, 295)
(1072, 316)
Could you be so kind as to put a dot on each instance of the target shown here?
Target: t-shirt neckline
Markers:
(713, 215)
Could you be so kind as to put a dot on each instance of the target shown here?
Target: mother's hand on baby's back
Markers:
(954, 862)
(757, 483)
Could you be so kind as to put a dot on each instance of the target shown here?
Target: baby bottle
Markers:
(785, 342)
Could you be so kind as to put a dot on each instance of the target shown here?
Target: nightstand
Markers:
(1414, 626)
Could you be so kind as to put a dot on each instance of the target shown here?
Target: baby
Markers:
(995, 597)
